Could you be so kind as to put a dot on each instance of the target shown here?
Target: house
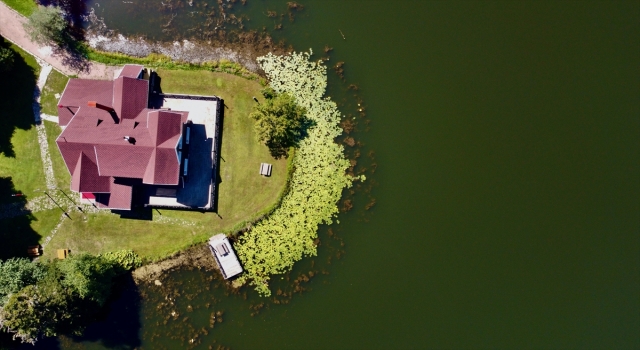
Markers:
(122, 149)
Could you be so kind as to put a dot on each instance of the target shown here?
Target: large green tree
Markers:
(88, 275)
(58, 297)
(16, 274)
(47, 25)
(279, 122)
(45, 309)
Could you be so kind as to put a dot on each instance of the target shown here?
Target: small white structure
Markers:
(265, 169)
(225, 256)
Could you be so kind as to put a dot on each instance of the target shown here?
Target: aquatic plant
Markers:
(273, 245)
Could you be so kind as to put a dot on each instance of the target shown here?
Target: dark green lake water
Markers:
(507, 211)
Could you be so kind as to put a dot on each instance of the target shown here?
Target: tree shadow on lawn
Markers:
(17, 87)
(16, 234)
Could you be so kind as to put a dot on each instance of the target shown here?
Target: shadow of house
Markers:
(199, 176)
(155, 91)
(217, 150)
(16, 234)
(17, 100)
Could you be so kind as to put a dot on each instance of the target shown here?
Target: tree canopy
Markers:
(280, 122)
(57, 297)
(16, 274)
(47, 25)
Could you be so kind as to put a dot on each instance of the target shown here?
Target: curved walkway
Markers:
(11, 29)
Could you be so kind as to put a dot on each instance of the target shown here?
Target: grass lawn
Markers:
(63, 178)
(56, 83)
(243, 194)
(24, 7)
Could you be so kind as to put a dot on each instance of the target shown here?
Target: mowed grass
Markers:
(63, 177)
(56, 82)
(242, 190)
(244, 195)
(24, 7)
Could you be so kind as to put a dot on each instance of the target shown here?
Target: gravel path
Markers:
(11, 29)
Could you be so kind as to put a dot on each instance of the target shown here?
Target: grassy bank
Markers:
(159, 61)
(56, 83)
(243, 194)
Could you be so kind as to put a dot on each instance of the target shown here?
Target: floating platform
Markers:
(225, 256)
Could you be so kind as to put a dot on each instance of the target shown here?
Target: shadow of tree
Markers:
(118, 325)
(16, 234)
(72, 50)
(17, 100)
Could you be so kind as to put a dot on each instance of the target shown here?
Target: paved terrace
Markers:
(197, 190)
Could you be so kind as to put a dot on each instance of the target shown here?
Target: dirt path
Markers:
(11, 29)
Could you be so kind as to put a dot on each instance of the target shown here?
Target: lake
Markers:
(507, 187)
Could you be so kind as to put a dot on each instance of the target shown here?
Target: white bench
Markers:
(265, 169)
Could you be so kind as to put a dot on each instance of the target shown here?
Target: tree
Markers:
(16, 274)
(45, 309)
(47, 25)
(89, 276)
(280, 122)
(58, 297)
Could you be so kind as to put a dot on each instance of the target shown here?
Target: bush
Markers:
(124, 260)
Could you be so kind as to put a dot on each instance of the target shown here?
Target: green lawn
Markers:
(243, 194)
(63, 178)
(56, 82)
(24, 7)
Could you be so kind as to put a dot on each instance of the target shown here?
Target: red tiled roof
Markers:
(160, 169)
(130, 96)
(164, 126)
(131, 71)
(124, 160)
(119, 196)
(79, 91)
(96, 150)
(85, 177)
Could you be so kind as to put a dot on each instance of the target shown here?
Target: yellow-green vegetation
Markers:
(289, 233)
(56, 83)
(244, 196)
(24, 7)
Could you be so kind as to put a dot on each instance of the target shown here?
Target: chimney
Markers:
(111, 111)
